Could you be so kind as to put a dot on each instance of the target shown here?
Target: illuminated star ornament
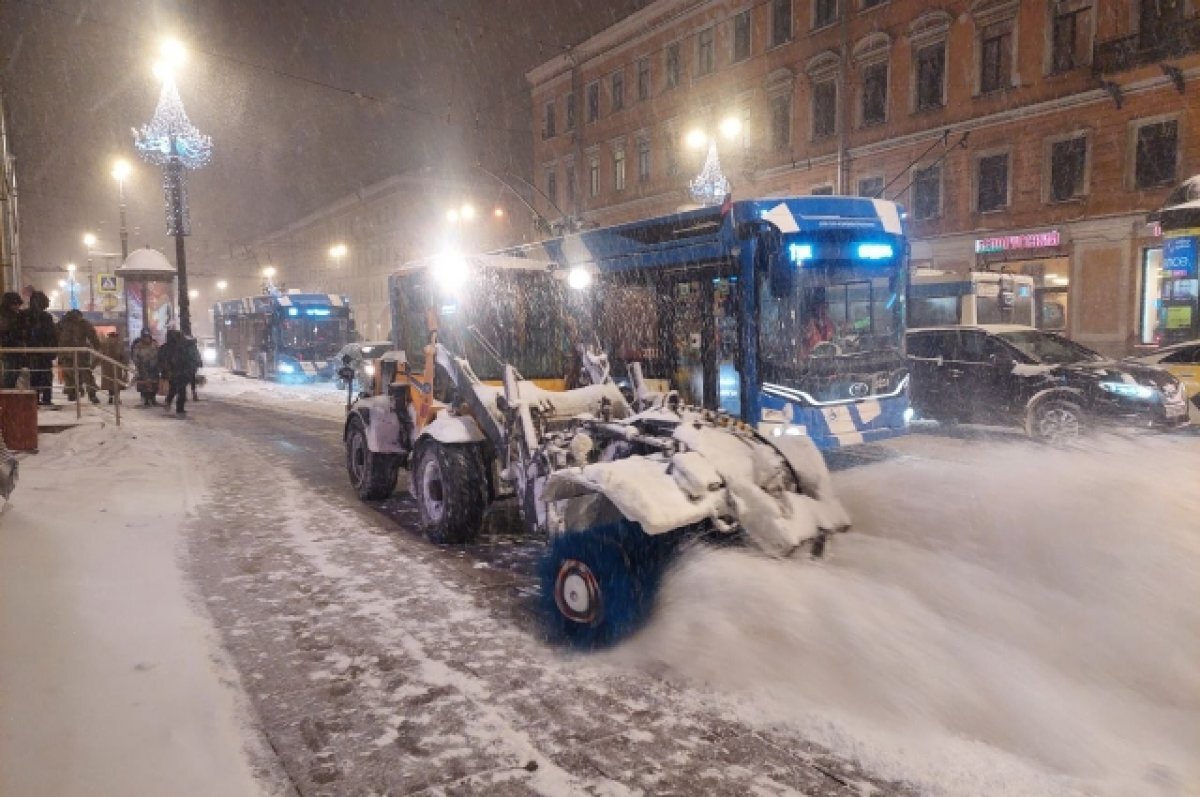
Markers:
(710, 186)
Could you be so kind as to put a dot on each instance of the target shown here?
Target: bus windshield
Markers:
(835, 326)
(313, 339)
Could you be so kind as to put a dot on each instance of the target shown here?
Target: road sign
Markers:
(109, 302)
(107, 283)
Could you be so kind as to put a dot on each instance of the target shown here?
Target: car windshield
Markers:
(1048, 348)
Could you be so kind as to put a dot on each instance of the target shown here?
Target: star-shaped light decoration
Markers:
(171, 135)
(710, 186)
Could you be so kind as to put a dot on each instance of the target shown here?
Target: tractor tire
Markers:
(598, 586)
(372, 474)
(451, 489)
(1056, 421)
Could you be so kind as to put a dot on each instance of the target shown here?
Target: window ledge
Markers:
(872, 125)
(929, 110)
(1075, 200)
(824, 26)
(778, 46)
(993, 211)
(979, 95)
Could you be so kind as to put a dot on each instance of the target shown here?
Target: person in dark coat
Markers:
(12, 335)
(75, 331)
(145, 358)
(40, 333)
(179, 361)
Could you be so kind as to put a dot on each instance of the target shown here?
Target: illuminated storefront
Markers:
(1041, 254)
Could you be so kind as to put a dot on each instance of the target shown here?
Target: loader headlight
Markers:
(451, 270)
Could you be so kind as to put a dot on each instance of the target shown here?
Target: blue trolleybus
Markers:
(287, 336)
(788, 313)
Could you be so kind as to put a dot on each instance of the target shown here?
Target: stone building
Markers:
(1029, 134)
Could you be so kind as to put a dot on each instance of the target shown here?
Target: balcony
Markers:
(1129, 52)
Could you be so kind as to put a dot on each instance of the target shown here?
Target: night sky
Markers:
(306, 101)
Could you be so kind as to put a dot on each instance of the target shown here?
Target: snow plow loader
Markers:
(614, 480)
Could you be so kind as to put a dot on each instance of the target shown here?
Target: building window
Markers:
(672, 152)
(704, 52)
(822, 190)
(741, 37)
(992, 187)
(572, 186)
(618, 91)
(1157, 154)
(825, 12)
(927, 192)
(781, 22)
(870, 187)
(824, 110)
(781, 122)
(1069, 38)
(672, 65)
(548, 130)
(1068, 169)
(643, 78)
(931, 76)
(619, 170)
(570, 120)
(593, 102)
(866, 4)
(995, 57)
(594, 177)
(643, 160)
(874, 94)
(552, 186)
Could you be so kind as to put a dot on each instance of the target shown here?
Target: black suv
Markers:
(1051, 386)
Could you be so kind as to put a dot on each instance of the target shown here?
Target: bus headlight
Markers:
(579, 278)
(451, 270)
(286, 368)
(908, 414)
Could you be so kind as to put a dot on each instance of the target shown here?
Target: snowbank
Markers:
(316, 399)
(110, 680)
(1003, 619)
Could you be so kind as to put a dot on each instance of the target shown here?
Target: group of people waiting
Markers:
(176, 362)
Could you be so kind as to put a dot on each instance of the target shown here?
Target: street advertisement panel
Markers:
(159, 309)
(1179, 256)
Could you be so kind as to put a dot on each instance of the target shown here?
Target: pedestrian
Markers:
(75, 331)
(12, 336)
(179, 362)
(40, 334)
(145, 359)
(192, 343)
(110, 375)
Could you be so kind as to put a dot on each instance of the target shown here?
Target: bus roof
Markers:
(270, 303)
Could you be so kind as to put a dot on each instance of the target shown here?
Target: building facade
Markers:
(351, 246)
(10, 252)
(1032, 135)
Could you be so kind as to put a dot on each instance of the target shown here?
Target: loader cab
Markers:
(487, 311)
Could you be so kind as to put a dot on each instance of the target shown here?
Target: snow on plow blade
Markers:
(780, 495)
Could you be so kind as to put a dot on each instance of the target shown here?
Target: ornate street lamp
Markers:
(711, 186)
(171, 141)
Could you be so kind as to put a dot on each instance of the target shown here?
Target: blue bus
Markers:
(285, 336)
(788, 313)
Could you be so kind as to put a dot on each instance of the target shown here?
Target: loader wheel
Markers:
(598, 586)
(451, 489)
(372, 475)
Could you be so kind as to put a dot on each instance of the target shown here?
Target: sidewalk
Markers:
(111, 678)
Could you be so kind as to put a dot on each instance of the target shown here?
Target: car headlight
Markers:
(1127, 390)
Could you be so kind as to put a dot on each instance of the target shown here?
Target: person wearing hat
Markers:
(12, 335)
(40, 334)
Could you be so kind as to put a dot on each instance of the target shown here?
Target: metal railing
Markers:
(1139, 49)
(68, 358)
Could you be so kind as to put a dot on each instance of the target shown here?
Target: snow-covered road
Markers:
(1004, 619)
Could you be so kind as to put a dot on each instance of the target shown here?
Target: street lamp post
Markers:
(89, 241)
(72, 287)
(120, 171)
(170, 140)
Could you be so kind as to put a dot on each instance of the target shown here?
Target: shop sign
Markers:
(1179, 257)
(1179, 317)
(1008, 243)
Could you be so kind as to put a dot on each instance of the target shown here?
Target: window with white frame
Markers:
(825, 12)
(927, 192)
(992, 182)
(551, 185)
(1156, 153)
(1070, 34)
(643, 162)
(572, 182)
(618, 90)
(931, 75)
(996, 56)
(870, 187)
(705, 55)
(1068, 165)
(593, 101)
(741, 36)
(781, 22)
(824, 107)
(594, 176)
(781, 122)
(672, 65)
(643, 79)
(874, 93)
(619, 169)
(570, 111)
(548, 126)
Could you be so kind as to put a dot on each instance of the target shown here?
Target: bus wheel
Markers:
(450, 486)
(372, 475)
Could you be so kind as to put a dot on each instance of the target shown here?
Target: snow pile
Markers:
(1006, 620)
(317, 399)
(110, 681)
